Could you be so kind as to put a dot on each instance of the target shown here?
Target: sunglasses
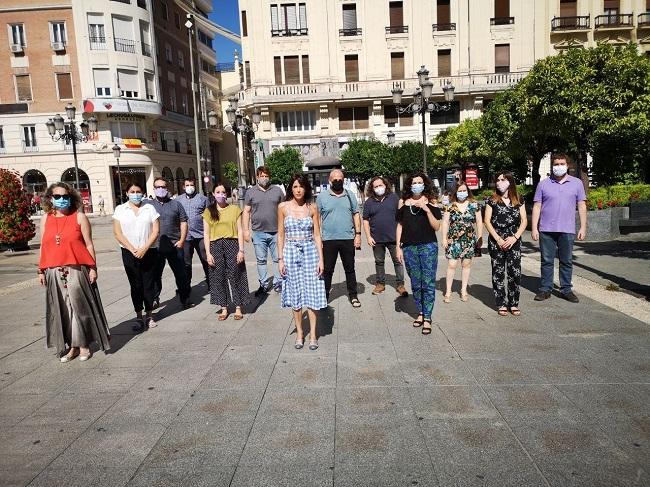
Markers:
(59, 196)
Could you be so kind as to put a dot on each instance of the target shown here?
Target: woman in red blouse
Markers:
(74, 313)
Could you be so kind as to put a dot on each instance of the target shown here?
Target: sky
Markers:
(226, 14)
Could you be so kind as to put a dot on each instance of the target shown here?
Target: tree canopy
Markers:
(283, 163)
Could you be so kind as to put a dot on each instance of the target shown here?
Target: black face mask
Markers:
(337, 185)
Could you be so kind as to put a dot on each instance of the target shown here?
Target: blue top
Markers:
(194, 207)
(381, 213)
(171, 215)
(336, 214)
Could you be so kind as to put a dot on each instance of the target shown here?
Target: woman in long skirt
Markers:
(67, 268)
(301, 257)
(224, 245)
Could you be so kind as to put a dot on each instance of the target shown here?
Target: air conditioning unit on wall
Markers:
(16, 48)
(58, 46)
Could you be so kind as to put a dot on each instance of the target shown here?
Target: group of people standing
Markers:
(304, 239)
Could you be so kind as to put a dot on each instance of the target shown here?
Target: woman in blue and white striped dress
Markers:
(301, 257)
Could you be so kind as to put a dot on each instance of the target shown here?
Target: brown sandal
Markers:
(238, 315)
(503, 311)
(223, 314)
(515, 311)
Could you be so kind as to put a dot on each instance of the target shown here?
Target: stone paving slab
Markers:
(555, 397)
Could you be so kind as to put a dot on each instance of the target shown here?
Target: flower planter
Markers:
(604, 224)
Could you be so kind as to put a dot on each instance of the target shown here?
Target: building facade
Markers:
(128, 62)
(322, 72)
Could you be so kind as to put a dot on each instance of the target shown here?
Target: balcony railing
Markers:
(30, 147)
(289, 32)
(643, 20)
(350, 32)
(578, 22)
(444, 27)
(142, 4)
(621, 20)
(397, 29)
(502, 20)
(124, 45)
(97, 43)
(146, 49)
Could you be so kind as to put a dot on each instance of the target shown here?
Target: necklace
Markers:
(57, 237)
(411, 210)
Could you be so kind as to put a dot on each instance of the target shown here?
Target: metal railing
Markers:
(444, 27)
(97, 43)
(570, 23)
(620, 20)
(502, 20)
(289, 32)
(31, 147)
(356, 31)
(124, 45)
(643, 20)
(225, 67)
(397, 29)
(123, 1)
(146, 49)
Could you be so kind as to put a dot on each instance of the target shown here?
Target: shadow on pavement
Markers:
(121, 334)
(340, 289)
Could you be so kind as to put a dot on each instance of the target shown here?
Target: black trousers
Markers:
(141, 275)
(196, 244)
(174, 257)
(344, 248)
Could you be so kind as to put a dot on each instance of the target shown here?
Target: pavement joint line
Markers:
(622, 302)
(21, 348)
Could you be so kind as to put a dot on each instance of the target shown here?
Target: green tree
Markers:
(283, 164)
(230, 173)
(366, 158)
(406, 158)
(16, 228)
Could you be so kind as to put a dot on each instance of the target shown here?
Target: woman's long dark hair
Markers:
(75, 198)
(512, 189)
(212, 208)
(428, 192)
(304, 183)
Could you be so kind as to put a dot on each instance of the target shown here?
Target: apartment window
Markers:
(184, 104)
(501, 12)
(57, 32)
(289, 19)
(393, 119)
(164, 10)
(443, 12)
(177, 20)
(149, 87)
(299, 121)
(444, 62)
(351, 118)
(611, 7)
(123, 34)
(188, 144)
(64, 86)
(446, 116)
(102, 82)
(172, 98)
(126, 130)
(23, 88)
(397, 65)
(181, 60)
(502, 58)
(145, 38)
(277, 68)
(96, 31)
(396, 18)
(163, 142)
(352, 67)
(291, 70)
(29, 138)
(2, 140)
(349, 19)
(568, 8)
(205, 39)
(305, 69)
(17, 34)
(169, 55)
(177, 146)
(247, 73)
(127, 82)
(244, 24)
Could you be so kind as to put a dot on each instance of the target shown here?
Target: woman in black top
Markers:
(417, 246)
(505, 221)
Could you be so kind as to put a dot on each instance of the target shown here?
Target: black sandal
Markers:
(426, 330)
(418, 323)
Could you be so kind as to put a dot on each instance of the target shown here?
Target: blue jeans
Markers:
(550, 245)
(263, 243)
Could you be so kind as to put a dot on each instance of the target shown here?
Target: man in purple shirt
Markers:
(555, 227)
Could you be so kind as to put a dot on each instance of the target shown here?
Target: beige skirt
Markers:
(74, 312)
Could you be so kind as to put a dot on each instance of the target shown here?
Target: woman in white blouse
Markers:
(136, 228)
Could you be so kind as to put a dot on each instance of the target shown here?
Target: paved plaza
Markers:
(557, 397)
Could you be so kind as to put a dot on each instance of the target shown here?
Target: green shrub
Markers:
(619, 195)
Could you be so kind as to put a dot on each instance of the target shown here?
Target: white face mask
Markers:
(560, 170)
(190, 190)
(380, 190)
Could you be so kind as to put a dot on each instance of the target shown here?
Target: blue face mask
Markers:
(462, 195)
(136, 198)
(61, 203)
(417, 188)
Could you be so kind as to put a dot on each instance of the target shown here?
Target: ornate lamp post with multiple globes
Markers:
(422, 104)
(240, 124)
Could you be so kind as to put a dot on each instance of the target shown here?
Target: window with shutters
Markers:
(123, 34)
(502, 58)
(445, 117)
(277, 67)
(289, 19)
(169, 55)
(172, 97)
(443, 12)
(164, 10)
(244, 24)
(17, 34)
(393, 119)
(247, 73)
(305, 69)
(502, 13)
(96, 31)
(126, 130)
(29, 138)
(185, 107)
(102, 80)
(127, 82)
(177, 20)
(568, 8)
(181, 60)
(23, 88)
(150, 90)
(291, 70)
(396, 18)
(397, 65)
(351, 67)
(57, 32)
(64, 86)
(350, 20)
(298, 121)
(444, 62)
(145, 38)
(611, 7)
(353, 118)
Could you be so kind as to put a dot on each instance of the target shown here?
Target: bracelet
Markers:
(357, 233)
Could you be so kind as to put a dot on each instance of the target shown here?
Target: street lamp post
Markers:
(117, 152)
(423, 104)
(189, 24)
(66, 130)
(239, 124)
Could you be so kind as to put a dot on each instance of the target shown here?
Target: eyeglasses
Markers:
(59, 196)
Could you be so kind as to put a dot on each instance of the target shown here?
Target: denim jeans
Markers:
(263, 242)
(379, 252)
(550, 245)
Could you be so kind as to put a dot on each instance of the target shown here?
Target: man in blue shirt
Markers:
(194, 204)
(341, 232)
